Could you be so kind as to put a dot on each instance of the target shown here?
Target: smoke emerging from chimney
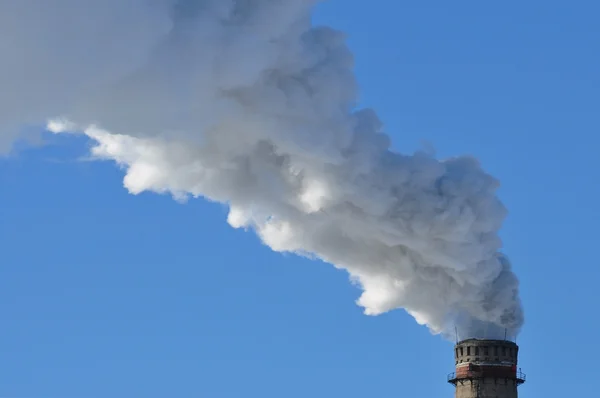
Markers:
(248, 104)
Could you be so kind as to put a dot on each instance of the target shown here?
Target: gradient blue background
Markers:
(103, 294)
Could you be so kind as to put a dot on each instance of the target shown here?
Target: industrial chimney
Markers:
(485, 369)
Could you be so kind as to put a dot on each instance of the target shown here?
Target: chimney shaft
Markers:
(486, 368)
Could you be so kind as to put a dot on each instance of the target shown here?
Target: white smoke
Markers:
(244, 102)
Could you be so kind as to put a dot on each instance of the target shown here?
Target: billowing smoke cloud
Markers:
(246, 103)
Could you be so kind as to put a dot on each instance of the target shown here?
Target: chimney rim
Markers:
(487, 341)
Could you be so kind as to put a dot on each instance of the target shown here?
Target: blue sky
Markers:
(107, 294)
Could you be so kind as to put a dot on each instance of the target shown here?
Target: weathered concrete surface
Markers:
(487, 388)
(477, 351)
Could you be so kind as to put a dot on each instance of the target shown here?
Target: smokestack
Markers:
(486, 368)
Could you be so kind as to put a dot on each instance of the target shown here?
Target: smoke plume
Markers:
(246, 103)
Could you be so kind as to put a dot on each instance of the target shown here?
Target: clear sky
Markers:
(105, 294)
